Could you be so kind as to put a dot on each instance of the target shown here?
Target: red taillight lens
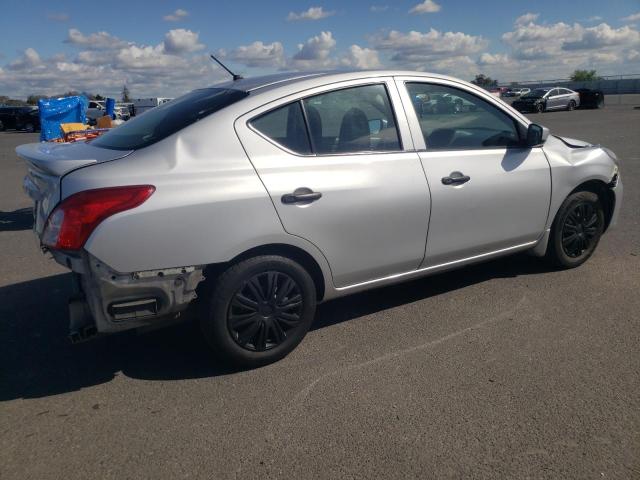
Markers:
(72, 221)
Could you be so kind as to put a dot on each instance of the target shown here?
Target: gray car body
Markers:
(384, 216)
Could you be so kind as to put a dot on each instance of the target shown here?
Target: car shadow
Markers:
(21, 219)
(37, 360)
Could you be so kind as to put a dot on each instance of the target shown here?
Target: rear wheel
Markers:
(258, 310)
(571, 105)
(600, 103)
(576, 230)
(30, 128)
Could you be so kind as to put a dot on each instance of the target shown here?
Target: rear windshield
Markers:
(160, 122)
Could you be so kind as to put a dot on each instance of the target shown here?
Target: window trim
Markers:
(313, 153)
(516, 123)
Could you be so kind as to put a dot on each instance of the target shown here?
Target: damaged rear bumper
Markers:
(107, 301)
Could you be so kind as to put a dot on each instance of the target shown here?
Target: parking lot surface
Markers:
(509, 369)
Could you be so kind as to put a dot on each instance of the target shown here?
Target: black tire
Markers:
(571, 105)
(244, 328)
(539, 108)
(29, 127)
(576, 230)
(1, 127)
(600, 103)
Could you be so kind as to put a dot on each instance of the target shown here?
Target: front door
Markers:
(341, 172)
(488, 193)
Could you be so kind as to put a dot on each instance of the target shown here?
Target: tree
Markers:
(485, 82)
(584, 76)
(97, 96)
(125, 94)
(33, 99)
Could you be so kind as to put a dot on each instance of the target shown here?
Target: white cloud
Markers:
(176, 16)
(58, 17)
(313, 13)
(181, 40)
(314, 53)
(97, 41)
(419, 50)
(30, 58)
(428, 6)
(602, 36)
(361, 58)
(259, 54)
(631, 18)
(526, 18)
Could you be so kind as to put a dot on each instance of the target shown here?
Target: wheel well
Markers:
(289, 251)
(605, 194)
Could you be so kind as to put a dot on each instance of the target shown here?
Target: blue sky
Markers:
(158, 48)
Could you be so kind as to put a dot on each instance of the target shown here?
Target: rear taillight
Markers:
(72, 221)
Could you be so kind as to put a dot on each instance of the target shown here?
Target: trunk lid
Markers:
(47, 163)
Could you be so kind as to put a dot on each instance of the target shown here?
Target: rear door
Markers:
(351, 183)
(488, 193)
(554, 100)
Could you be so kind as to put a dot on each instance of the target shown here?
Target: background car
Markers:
(544, 99)
(516, 92)
(20, 118)
(590, 98)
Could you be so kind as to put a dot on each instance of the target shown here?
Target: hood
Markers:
(573, 143)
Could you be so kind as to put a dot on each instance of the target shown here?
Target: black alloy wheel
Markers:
(257, 310)
(576, 230)
(265, 310)
(579, 229)
(539, 107)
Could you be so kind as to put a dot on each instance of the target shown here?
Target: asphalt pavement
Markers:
(509, 369)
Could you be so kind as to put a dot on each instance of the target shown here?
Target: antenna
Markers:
(235, 76)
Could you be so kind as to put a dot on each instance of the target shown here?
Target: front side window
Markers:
(453, 119)
(356, 119)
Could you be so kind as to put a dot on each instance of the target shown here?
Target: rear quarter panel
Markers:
(208, 207)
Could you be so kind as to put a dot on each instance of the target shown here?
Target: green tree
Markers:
(97, 96)
(33, 99)
(584, 76)
(485, 82)
(125, 94)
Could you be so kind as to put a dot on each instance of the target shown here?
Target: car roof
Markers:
(270, 82)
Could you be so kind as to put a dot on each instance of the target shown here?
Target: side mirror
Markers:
(536, 135)
(375, 126)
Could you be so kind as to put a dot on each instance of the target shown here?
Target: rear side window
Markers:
(350, 120)
(285, 125)
(356, 119)
(168, 118)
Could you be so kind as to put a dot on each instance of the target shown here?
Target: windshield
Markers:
(160, 122)
(537, 93)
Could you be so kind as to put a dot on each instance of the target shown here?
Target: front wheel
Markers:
(539, 108)
(258, 310)
(576, 230)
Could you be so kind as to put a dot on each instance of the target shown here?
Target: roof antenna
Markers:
(234, 75)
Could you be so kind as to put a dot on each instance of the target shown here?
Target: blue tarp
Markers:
(54, 111)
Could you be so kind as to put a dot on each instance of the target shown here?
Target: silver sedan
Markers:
(249, 202)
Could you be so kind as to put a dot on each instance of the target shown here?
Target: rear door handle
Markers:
(301, 195)
(455, 178)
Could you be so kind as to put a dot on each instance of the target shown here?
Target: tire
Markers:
(1, 127)
(580, 218)
(571, 105)
(600, 103)
(539, 108)
(29, 128)
(244, 324)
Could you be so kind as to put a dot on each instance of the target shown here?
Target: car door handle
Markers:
(301, 195)
(455, 178)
